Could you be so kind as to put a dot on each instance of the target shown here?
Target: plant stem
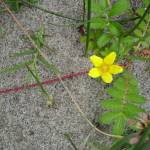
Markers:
(128, 19)
(48, 11)
(138, 23)
(40, 84)
(84, 10)
(68, 136)
(88, 26)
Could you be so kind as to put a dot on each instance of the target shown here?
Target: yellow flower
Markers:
(104, 68)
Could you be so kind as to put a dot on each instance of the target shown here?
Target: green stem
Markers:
(128, 19)
(139, 22)
(84, 10)
(88, 26)
(39, 83)
(48, 11)
(68, 136)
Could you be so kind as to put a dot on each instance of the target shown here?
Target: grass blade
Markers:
(88, 26)
(15, 67)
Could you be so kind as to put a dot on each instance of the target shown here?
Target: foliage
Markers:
(105, 31)
(124, 103)
(31, 63)
(16, 4)
(108, 32)
(143, 142)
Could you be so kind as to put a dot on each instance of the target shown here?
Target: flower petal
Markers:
(96, 61)
(115, 69)
(94, 73)
(107, 77)
(110, 58)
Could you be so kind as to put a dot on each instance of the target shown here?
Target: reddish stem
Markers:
(50, 81)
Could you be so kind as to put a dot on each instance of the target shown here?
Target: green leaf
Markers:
(140, 11)
(82, 39)
(120, 7)
(129, 40)
(91, 45)
(38, 37)
(14, 4)
(143, 138)
(108, 117)
(15, 67)
(99, 6)
(118, 94)
(131, 110)
(37, 79)
(124, 102)
(112, 104)
(24, 52)
(146, 2)
(115, 28)
(120, 143)
(98, 23)
(134, 97)
(119, 124)
(138, 33)
(103, 40)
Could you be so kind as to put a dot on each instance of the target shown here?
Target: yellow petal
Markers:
(96, 61)
(115, 69)
(94, 73)
(110, 58)
(107, 77)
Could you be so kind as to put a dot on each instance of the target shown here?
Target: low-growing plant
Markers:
(31, 63)
(112, 29)
(123, 104)
(116, 27)
(15, 5)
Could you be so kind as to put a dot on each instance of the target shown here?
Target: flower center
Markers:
(104, 68)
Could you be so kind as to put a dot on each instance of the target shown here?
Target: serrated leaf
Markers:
(120, 7)
(111, 104)
(115, 28)
(103, 40)
(108, 117)
(131, 110)
(129, 40)
(134, 97)
(119, 84)
(125, 102)
(98, 23)
(119, 124)
(118, 94)
(99, 6)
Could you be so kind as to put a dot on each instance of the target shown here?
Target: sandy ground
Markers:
(26, 123)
